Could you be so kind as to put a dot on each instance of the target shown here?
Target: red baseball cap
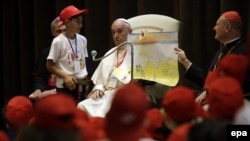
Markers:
(211, 76)
(19, 111)
(124, 120)
(71, 11)
(234, 65)
(155, 122)
(99, 124)
(56, 112)
(229, 66)
(180, 133)
(225, 97)
(93, 130)
(232, 16)
(3, 136)
(179, 104)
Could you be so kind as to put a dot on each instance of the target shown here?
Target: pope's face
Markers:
(120, 31)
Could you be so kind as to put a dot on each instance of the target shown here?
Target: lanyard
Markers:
(119, 61)
(74, 52)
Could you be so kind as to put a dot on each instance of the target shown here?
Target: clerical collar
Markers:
(232, 42)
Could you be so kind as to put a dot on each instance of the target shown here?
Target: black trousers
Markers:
(74, 93)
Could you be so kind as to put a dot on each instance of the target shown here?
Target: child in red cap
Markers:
(180, 107)
(19, 111)
(68, 52)
(3, 136)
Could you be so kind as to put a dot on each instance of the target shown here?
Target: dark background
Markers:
(25, 30)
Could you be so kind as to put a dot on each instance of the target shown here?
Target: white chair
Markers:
(154, 23)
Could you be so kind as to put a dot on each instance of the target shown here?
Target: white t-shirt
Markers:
(66, 53)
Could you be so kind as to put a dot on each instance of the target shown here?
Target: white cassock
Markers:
(102, 78)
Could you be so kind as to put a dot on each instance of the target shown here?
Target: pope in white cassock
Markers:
(110, 75)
